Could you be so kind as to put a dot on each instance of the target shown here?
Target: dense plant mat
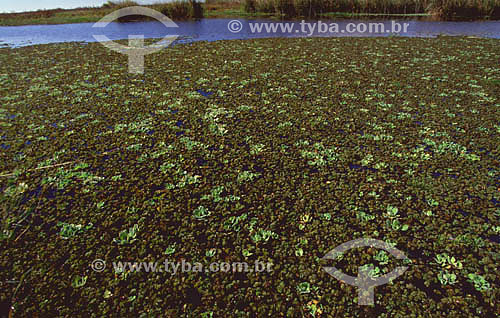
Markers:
(275, 150)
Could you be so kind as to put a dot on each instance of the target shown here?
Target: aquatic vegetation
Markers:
(314, 308)
(448, 262)
(69, 230)
(319, 155)
(479, 282)
(245, 176)
(447, 278)
(304, 288)
(64, 177)
(207, 314)
(211, 252)
(127, 236)
(201, 212)
(79, 281)
(299, 252)
(234, 223)
(382, 257)
(302, 145)
(170, 250)
(263, 235)
(364, 217)
(257, 149)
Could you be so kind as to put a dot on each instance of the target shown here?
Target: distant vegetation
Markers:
(177, 10)
(281, 9)
(445, 9)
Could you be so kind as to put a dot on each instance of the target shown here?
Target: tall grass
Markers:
(178, 10)
(465, 8)
(119, 4)
(181, 9)
(446, 9)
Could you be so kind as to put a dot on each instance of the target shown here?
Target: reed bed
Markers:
(177, 10)
(445, 9)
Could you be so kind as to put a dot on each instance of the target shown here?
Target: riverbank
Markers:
(174, 10)
(269, 150)
(289, 9)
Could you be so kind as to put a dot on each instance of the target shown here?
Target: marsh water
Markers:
(217, 29)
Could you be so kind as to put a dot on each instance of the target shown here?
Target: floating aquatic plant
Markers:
(127, 236)
(341, 138)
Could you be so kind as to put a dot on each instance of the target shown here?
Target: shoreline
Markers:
(217, 10)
